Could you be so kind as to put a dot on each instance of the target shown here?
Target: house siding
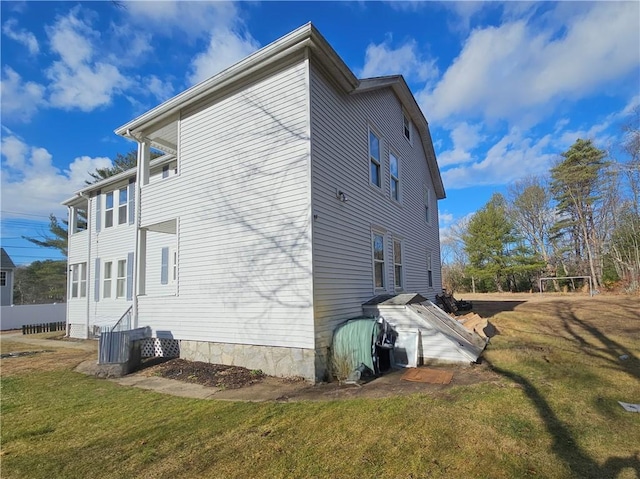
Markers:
(342, 250)
(242, 201)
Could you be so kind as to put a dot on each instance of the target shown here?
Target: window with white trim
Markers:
(430, 268)
(3, 278)
(122, 206)
(394, 174)
(108, 210)
(78, 280)
(397, 264)
(406, 127)
(107, 279)
(121, 279)
(427, 205)
(378, 260)
(375, 171)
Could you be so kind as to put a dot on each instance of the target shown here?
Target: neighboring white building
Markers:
(7, 269)
(289, 194)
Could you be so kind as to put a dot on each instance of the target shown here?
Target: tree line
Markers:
(581, 219)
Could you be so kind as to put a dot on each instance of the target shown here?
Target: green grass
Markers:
(552, 413)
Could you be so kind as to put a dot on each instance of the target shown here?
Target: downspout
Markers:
(136, 222)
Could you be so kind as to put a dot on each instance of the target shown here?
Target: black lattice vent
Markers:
(160, 348)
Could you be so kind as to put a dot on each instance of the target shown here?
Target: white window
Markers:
(394, 169)
(374, 160)
(108, 210)
(430, 268)
(107, 278)
(122, 206)
(427, 205)
(378, 260)
(3, 278)
(397, 263)
(79, 280)
(406, 124)
(121, 279)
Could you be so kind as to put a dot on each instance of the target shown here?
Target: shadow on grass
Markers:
(564, 445)
(487, 309)
(615, 354)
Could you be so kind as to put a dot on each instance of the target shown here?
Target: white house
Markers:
(290, 193)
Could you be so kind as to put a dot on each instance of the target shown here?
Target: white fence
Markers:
(14, 317)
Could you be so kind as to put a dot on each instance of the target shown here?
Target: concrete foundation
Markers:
(271, 360)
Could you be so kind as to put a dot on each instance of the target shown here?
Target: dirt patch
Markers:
(212, 375)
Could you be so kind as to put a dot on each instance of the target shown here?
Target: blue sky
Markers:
(506, 87)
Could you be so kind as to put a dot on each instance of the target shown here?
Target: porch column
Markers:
(139, 265)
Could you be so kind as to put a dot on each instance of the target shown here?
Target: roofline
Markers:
(306, 36)
(131, 172)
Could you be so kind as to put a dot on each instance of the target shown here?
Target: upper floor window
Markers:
(78, 219)
(79, 280)
(374, 159)
(406, 124)
(3, 278)
(108, 210)
(122, 206)
(430, 268)
(397, 263)
(394, 170)
(427, 205)
(378, 260)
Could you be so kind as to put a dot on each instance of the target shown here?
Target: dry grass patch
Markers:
(551, 412)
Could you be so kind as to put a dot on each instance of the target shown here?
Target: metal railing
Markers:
(115, 342)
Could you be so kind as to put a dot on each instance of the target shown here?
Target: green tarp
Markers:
(355, 340)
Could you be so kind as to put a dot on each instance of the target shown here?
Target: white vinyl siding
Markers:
(243, 203)
(342, 257)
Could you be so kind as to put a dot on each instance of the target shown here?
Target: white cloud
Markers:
(383, 59)
(225, 48)
(29, 174)
(158, 88)
(465, 139)
(20, 100)
(195, 19)
(510, 70)
(23, 36)
(511, 158)
(77, 81)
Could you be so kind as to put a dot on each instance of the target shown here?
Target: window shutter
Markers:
(96, 291)
(164, 272)
(98, 210)
(132, 200)
(129, 276)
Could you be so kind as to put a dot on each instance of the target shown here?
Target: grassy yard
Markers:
(552, 412)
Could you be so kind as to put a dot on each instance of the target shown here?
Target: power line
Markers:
(23, 214)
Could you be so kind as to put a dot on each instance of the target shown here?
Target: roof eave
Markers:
(303, 37)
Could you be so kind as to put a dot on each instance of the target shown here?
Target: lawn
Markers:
(551, 413)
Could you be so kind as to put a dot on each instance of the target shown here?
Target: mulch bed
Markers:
(206, 374)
